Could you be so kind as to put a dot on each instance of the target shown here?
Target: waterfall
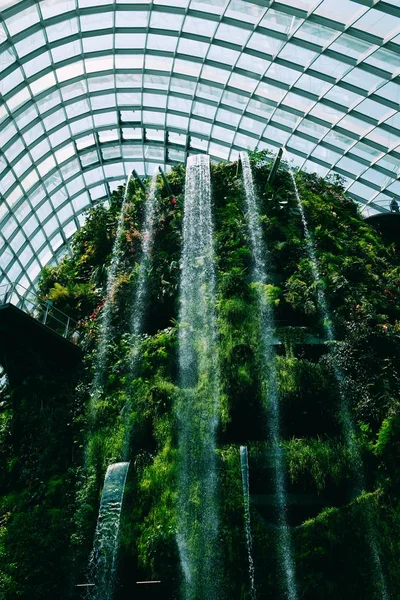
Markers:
(138, 306)
(102, 561)
(244, 463)
(139, 299)
(269, 377)
(347, 421)
(197, 408)
(103, 557)
(105, 323)
(349, 430)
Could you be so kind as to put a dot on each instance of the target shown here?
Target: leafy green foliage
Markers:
(57, 439)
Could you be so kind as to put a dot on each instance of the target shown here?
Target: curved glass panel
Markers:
(90, 89)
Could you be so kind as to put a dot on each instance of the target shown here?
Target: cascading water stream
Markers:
(105, 335)
(269, 383)
(105, 323)
(244, 464)
(347, 421)
(139, 300)
(102, 562)
(105, 548)
(197, 408)
(349, 430)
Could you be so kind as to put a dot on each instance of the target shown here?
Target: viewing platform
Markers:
(388, 224)
(35, 337)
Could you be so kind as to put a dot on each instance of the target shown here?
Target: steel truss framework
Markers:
(90, 89)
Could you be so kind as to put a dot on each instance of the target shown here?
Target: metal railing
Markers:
(41, 310)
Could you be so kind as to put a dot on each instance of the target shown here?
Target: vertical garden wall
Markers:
(57, 437)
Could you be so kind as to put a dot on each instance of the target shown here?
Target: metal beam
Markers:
(275, 166)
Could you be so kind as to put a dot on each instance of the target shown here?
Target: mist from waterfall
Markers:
(244, 464)
(197, 407)
(103, 557)
(105, 336)
(269, 382)
(349, 430)
(139, 299)
(102, 562)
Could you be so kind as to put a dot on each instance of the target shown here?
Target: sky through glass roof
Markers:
(90, 89)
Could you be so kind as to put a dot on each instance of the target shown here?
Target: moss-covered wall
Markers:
(53, 468)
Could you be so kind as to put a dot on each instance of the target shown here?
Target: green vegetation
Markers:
(54, 452)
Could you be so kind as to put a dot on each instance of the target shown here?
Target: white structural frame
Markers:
(90, 89)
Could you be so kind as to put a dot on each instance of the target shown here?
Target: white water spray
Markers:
(139, 300)
(269, 383)
(197, 409)
(244, 463)
(102, 562)
(103, 557)
(349, 429)
(106, 314)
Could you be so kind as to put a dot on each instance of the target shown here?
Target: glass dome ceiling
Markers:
(90, 89)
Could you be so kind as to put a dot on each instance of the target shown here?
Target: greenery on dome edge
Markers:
(53, 463)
